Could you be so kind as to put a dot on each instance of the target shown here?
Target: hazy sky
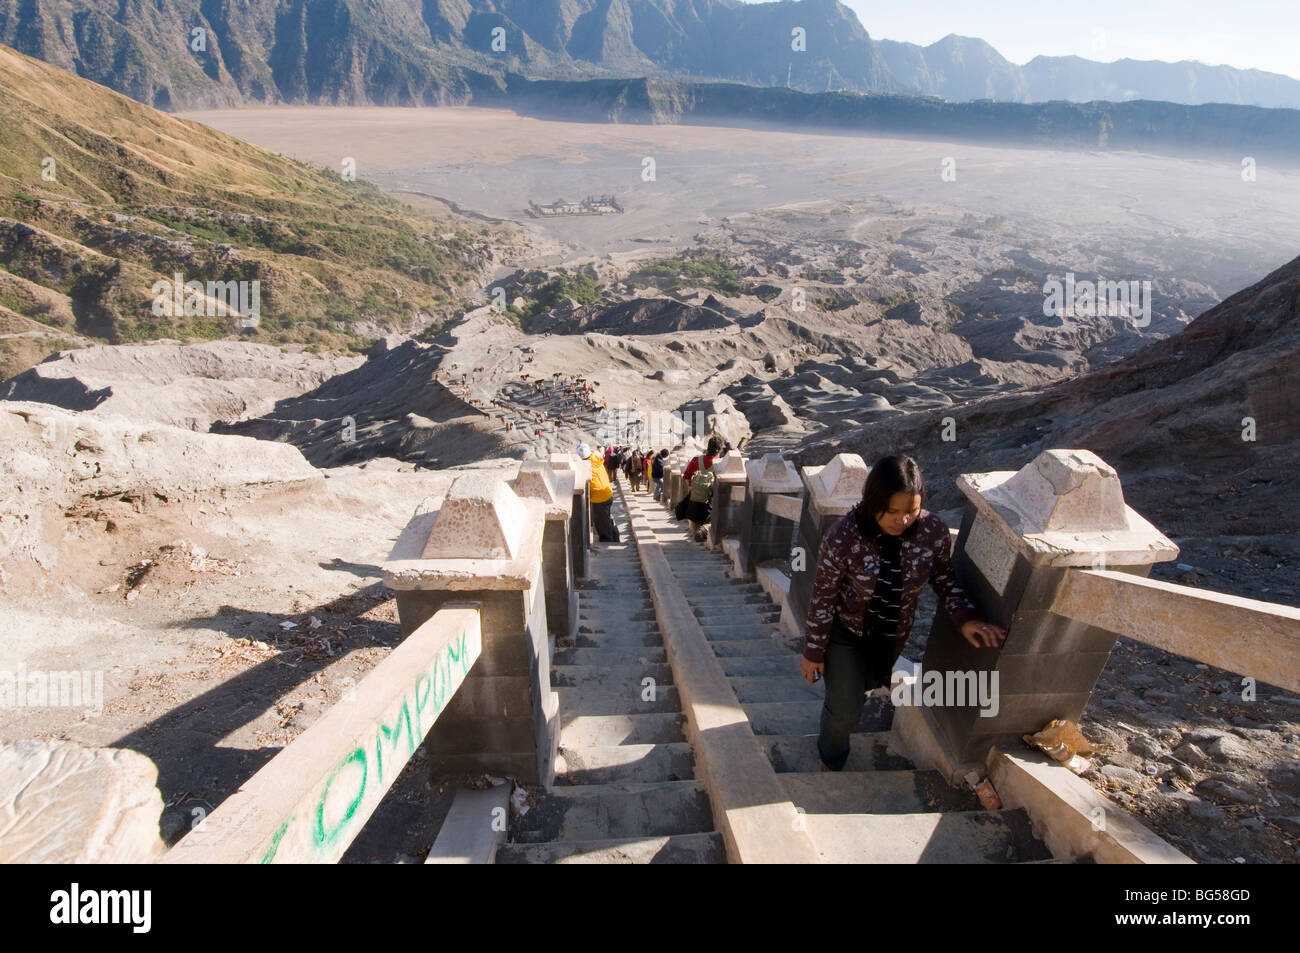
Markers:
(1258, 34)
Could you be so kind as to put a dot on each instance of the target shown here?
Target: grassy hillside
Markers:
(133, 195)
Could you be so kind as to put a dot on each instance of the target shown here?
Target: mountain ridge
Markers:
(391, 52)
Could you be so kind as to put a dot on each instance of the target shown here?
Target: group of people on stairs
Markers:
(871, 567)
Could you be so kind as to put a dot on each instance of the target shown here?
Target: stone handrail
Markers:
(311, 800)
(1246, 636)
(1052, 553)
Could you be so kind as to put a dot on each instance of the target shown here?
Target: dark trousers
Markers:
(851, 672)
(601, 519)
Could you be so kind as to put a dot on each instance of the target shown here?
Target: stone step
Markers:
(740, 632)
(610, 677)
(613, 623)
(780, 688)
(677, 849)
(771, 666)
(868, 751)
(725, 648)
(739, 596)
(616, 611)
(804, 717)
(617, 810)
(615, 701)
(721, 608)
(613, 655)
(705, 584)
(876, 792)
(606, 640)
(605, 614)
(736, 615)
(671, 761)
(621, 609)
(962, 837)
(599, 731)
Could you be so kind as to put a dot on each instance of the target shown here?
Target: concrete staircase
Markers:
(880, 809)
(625, 789)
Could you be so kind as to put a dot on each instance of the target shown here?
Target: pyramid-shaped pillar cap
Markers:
(560, 461)
(838, 485)
(480, 518)
(773, 473)
(536, 481)
(731, 467)
(1066, 489)
(1065, 508)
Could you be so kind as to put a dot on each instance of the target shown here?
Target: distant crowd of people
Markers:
(644, 468)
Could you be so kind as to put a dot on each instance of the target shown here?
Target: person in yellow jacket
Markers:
(601, 493)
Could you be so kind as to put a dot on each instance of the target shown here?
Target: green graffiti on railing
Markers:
(421, 701)
(383, 731)
(325, 839)
(275, 842)
(429, 694)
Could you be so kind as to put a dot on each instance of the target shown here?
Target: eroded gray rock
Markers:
(61, 803)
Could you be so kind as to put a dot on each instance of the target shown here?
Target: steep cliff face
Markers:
(201, 53)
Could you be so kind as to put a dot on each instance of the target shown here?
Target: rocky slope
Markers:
(104, 201)
(390, 406)
(181, 386)
(1203, 428)
(67, 475)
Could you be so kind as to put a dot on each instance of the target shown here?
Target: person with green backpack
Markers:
(699, 479)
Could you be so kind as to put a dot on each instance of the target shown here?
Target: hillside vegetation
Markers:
(101, 197)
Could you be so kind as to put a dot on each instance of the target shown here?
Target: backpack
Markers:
(702, 484)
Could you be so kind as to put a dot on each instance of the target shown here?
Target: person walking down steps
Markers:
(870, 570)
(601, 490)
(636, 470)
(699, 479)
(657, 472)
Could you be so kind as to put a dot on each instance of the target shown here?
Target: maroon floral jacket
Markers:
(847, 566)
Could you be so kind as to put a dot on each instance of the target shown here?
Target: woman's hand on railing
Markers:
(976, 630)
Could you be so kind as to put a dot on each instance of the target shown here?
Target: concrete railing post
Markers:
(673, 467)
(580, 514)
(729, 495)
(483, 543)
(765, 534)
(1020, 534)
(537, 481)
(831, 491)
